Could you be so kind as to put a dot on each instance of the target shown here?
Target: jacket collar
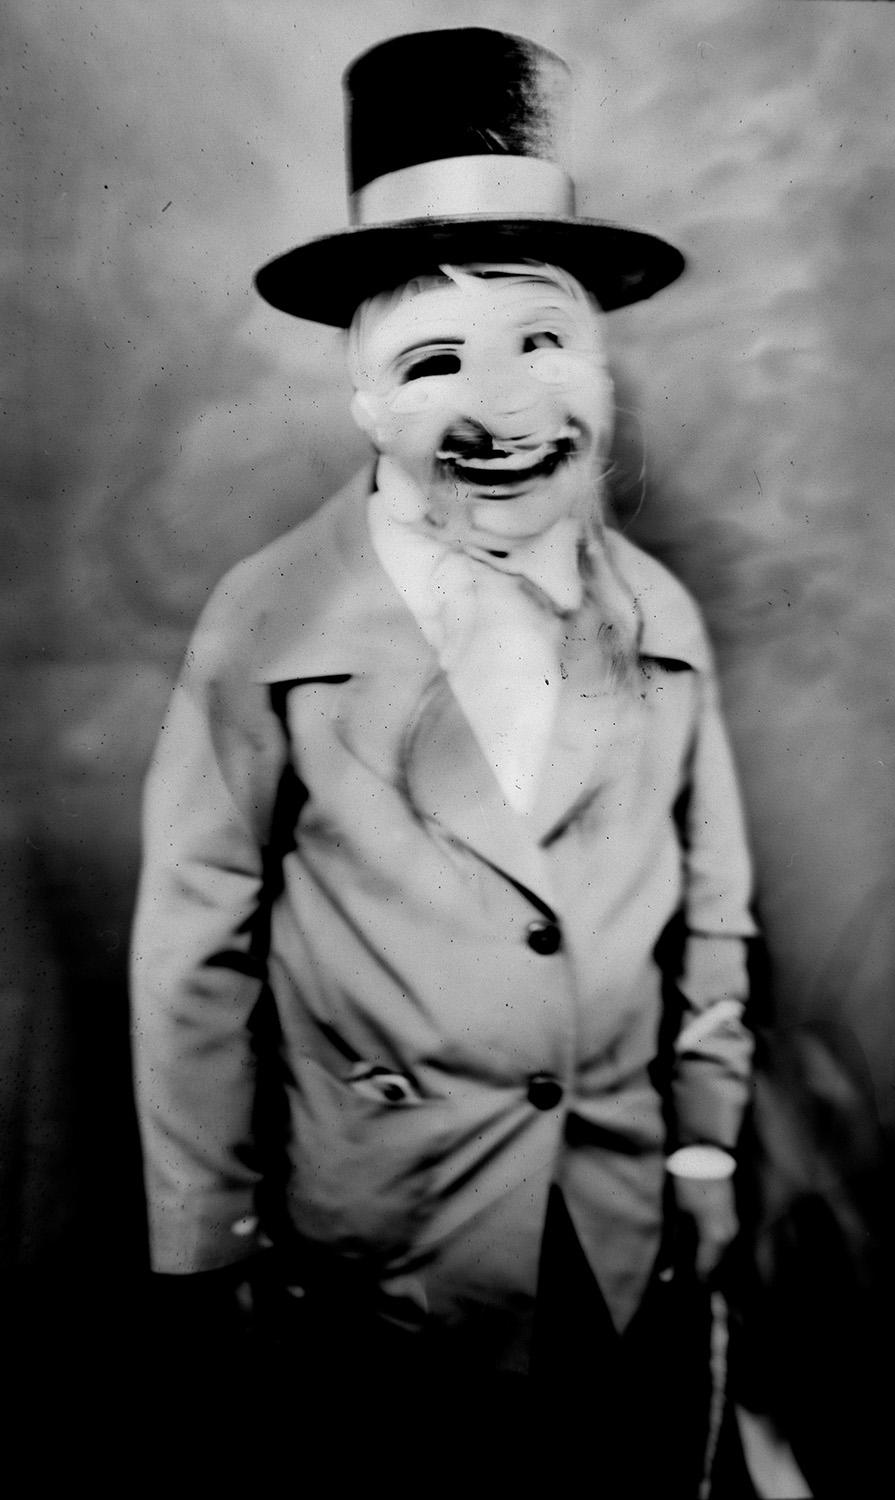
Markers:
(333, 598)
(332, 612)
(672, 627)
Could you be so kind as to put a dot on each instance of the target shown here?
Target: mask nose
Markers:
(509, 403)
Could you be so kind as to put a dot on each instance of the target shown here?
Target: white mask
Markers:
(489, 393)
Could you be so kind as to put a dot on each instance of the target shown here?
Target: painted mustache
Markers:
(476, 457)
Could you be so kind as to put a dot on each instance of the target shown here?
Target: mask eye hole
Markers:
(544, 338)
(443, 362)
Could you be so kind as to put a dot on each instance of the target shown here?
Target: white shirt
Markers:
(497, 643)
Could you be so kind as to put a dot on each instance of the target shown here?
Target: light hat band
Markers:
(461, 186)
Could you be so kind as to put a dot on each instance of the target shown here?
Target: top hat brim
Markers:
(327, 279)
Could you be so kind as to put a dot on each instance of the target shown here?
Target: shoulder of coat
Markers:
(282, 587)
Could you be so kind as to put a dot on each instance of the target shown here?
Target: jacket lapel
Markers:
(597, 728)
(451, 784)
(592, 726)
(342, 618)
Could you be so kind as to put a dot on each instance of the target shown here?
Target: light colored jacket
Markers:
(469, 1001)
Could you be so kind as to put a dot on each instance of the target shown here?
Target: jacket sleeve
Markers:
(713, 1049)
(198, 959)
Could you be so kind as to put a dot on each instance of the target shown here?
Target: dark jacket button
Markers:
(543, 937)
(544, 1091)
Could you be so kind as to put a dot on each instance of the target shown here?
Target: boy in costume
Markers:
(443, 844)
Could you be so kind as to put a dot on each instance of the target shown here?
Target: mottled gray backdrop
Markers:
(161, 421)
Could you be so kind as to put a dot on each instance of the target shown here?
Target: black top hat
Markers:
(452, 139)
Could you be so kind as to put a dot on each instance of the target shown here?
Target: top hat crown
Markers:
(453, 140)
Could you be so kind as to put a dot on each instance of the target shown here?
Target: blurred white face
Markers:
(491, 395)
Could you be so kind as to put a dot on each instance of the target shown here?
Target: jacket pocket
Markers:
(363, 1149)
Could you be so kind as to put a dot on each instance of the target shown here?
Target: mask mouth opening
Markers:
(474, 457)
